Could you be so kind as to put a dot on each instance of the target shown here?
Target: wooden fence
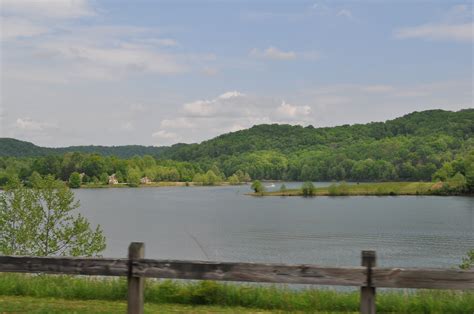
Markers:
(367, 276)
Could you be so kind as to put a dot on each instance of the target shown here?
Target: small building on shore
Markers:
(145, 180)
(113, 179)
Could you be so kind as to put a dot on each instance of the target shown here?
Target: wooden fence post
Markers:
(367, 293)
(136, 287)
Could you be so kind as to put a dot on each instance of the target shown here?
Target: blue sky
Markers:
(159, 72)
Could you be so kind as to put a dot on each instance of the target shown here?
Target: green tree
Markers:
(209, 178)
(40, 221)
(133, 178)
(468, 261)
(35, 178)
(243, 176)
(455, 184)
(104, 178)
(75, 180)
(257, 186)
(469, 171)
(308, 189)
(233, 179)
(283, 188)
(119, 176)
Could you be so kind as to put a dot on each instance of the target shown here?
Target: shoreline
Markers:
(156, 185)
(368, 189)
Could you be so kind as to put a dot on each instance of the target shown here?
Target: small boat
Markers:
(270, 186)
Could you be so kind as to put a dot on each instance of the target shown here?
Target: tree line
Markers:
(421, 146)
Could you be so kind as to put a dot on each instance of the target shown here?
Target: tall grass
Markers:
(226, 294)
(375, 189)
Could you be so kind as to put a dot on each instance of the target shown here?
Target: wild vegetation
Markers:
(40, 221)
(235, 296)
(344, 189)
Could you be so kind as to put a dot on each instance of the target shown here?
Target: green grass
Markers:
(15, 304)
(151, 185)
(379, 188)
(232, 295)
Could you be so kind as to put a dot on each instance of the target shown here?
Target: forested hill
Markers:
(453, 127)
(426, 145)
(278, 137)
(10, 147)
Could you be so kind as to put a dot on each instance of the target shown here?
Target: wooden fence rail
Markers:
(136, 268)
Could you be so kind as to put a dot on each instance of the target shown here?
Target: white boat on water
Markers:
(272, 185)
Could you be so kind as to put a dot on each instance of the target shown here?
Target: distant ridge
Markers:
(10, 147)
(278, 137)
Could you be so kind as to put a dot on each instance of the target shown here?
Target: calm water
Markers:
(220, 223)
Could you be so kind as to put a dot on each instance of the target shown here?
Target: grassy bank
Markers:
(151, 185)
(15, 304)
(378, 188)
(232, 295)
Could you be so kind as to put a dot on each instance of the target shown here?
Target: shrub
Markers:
(75, 180)
(308, 189)
(257, 186)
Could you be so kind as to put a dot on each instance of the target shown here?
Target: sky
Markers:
(112, 72)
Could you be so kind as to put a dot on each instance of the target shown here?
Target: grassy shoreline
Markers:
(365, 189)
(233, 296)
(153, 185)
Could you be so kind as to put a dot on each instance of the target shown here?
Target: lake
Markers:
(221, 223)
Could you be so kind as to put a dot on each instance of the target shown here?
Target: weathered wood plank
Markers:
(251, 272)
(136, 285)
(367, 293)
(64, 265)
(429, 278)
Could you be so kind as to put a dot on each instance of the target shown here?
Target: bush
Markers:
(133, 178)
(75, 180)
(257, 186)
(468, 261)
(338, 190)
(233, 179)
(209, 178)
(308, 189)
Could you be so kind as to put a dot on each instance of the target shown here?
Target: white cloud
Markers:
(138, 108)
(2, 116)
(227, 104)
(199, 108)
(165, 138)
(320, 8)
(379, 102)
(29, 124)
(345, 13)
(98, 52)
(124, 57)
(232, 94)
(459, 13)
(288, 111)
(228, 112)
(177, 123)
(210, 71)
(456, 25)
(14, 27)
(165, 42)
(273, 53)
(127, 126)
(380, 88)
(59, 9)
(459, 32)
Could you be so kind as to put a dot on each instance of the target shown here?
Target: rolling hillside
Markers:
(10, 147)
